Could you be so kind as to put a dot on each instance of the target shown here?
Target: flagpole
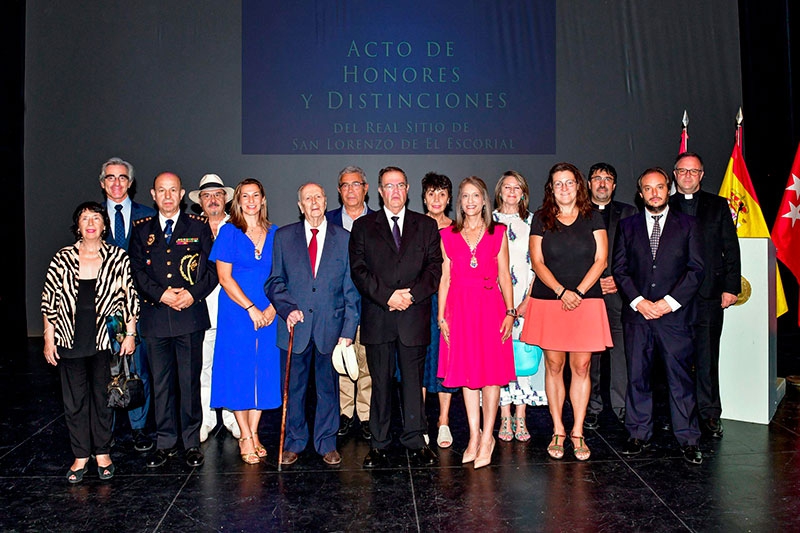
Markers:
(739, 119)
(684, 132)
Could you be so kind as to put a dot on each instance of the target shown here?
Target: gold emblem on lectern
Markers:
(747, 290)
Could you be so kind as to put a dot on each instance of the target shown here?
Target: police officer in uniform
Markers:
(169, 258)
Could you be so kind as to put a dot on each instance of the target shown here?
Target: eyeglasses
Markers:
(598, 179)
(392, 186)
(207, 195)
(569, 184)
(693, 171)
(122, 178)
(356, 185)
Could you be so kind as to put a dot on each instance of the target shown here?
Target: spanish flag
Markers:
(746, 211)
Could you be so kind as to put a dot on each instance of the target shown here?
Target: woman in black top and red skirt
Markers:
(566, 312)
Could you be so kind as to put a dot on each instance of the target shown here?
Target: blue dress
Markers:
(246, 371)
(432, 383)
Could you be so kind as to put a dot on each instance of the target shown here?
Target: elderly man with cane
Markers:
(313, 294)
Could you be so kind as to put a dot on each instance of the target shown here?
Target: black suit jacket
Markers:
(719, 243)
(378, 269)
(677, 269)
(183, 263)
(616, 212)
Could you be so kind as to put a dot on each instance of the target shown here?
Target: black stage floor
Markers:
(749, 481)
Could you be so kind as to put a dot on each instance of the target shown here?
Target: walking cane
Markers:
(285, 396)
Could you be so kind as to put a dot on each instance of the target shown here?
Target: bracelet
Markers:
(511, 312)
(48, 328)
(130, 333)
(248, 308)
(562, 293)
(579, 293)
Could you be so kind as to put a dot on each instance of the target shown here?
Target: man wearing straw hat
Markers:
(212, 196)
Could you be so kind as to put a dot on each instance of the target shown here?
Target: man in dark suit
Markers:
(312, 291)
(353, 395)
(116, 178)
(396, 264)
(602, 183)
(721, 285)
(169, 260)
(658, 266)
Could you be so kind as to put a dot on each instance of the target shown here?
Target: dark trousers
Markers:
(618, 371)
(675, 346)
(176, 360)
(383, 360)
(138, 416)
(326, 417)
(83, 387)
(707, 333)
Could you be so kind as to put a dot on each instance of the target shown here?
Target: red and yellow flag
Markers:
(738, 189)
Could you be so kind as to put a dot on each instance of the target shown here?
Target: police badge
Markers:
(188, 268)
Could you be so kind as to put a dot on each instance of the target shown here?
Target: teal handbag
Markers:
(526, 358)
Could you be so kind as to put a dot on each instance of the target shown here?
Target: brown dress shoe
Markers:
(332, 458)
(289, 458)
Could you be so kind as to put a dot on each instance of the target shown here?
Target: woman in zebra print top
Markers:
(85, 283)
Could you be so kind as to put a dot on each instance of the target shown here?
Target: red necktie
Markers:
(312, 251)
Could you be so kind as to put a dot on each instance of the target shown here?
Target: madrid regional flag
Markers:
(786, 230)
(746, 211)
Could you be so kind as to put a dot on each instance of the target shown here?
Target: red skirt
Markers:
(584, 329)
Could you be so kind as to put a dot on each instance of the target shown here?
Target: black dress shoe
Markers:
(194, 457)
(634, 447)
(376, 459)
(141, 442)
(345, 424)
(423, 457)
(713, 428)
(693, 455)
(591, 421)
(160, 456)
(366, 434)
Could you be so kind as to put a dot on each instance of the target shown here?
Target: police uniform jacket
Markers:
(183, 263)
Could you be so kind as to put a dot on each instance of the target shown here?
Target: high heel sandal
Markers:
(506, 430)
(520, 431)
(76, 476)
(260, 450)
(556, 450)
(484, 460)
(581, 452)
(250, 458)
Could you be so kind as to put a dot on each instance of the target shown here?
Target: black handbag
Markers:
(126, 389)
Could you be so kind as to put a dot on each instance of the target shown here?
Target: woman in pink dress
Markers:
(476, 314)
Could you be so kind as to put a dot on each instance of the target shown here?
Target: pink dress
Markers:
(475, 357)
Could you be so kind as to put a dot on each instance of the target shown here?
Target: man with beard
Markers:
(602, 183)
(212, 195)
(658, 266)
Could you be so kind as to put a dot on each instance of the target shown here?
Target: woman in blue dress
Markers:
(246, 373)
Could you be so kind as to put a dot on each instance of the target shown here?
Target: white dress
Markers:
(528, 389)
